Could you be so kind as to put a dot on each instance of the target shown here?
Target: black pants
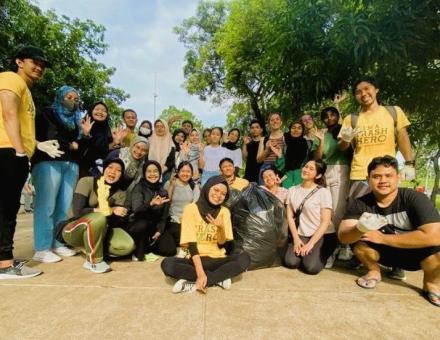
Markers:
(13, 174)
(174, 229)
(315, 261)
(142, 230)
(216, 269)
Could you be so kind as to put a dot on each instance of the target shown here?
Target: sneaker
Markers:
(396, 274)
(330, 261)
(18, 271)
(345, 253)
(225, 284)
(100, 267)
(46, 256)
(64, 251)
(182, 253)
(184, 286)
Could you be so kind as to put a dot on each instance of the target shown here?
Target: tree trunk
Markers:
(256, 108)
(435, 188)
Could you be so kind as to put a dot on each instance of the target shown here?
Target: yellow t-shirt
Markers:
(26, 112)
(239, 184)
(195, 229)
(376, 138)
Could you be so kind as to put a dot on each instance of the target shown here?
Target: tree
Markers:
(71, 44)
(294, 55)
(181, 114)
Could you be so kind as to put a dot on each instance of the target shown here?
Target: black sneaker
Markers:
(397, 274)
(18, 270)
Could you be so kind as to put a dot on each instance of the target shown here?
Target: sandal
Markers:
(432, 297)
(367, 282)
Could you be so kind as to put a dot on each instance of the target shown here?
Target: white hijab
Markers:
(160, 146)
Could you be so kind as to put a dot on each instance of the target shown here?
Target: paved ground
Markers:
(134, 301)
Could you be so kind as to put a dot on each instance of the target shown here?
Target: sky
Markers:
(141, 45)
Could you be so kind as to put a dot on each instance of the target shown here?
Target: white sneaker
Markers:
(46, 256)
(100, 267)
(330, 261)
(345, 253)
(184, 286)
(181, 253)
(64, 251)
(225, 284)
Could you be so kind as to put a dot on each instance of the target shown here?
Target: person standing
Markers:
(17, 145)
(130, 119)
(250, 150)
(55, 179)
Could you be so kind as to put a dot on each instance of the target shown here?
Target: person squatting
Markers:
(142, 191)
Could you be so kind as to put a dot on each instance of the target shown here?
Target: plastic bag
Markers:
(259, 224)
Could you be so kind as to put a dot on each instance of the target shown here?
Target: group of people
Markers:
(138, 190)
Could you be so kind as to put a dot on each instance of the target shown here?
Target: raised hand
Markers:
(348, 133)
(86, 125)
(119, 134)
(218, 222)
(159, 200)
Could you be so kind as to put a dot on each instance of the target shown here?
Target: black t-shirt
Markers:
(409, 210)
(252, 167)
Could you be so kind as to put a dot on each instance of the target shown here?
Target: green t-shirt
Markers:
(332, 155)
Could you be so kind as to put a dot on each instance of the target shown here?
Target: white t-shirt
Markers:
(236, 156)
(311, 213)
(213, 156)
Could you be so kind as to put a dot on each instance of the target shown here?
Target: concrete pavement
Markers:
(134, 301)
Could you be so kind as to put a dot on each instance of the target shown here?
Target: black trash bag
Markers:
(259, 224)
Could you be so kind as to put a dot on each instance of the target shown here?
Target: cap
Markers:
(32, 52)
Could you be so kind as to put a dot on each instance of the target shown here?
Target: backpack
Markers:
(391, 110)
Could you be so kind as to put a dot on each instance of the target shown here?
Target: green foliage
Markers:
(71, 44)
(181, 114)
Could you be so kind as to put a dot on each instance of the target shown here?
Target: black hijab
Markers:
(101, 131)
(155, 187)
(205, 207)
(175, 133)
(296, 149)
(114, 186)
(232, 145)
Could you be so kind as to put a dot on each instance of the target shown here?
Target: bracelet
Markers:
(19, 154)
(412, 162)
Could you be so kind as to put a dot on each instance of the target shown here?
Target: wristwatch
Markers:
(412, 162)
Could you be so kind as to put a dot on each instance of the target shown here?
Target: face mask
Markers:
(70, 105)
(145, 131)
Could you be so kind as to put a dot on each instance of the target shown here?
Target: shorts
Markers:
(408, 259)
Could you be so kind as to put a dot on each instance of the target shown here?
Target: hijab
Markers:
(204, 205)
(101, 131)
(232, 145)
(132, 166)
(115, 186)
(69, 119)
(296, 149)
(155, 187)
(175, 133)
(160, 146)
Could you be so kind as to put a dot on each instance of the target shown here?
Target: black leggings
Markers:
(315, 261)
(216, 269)
(141, 231)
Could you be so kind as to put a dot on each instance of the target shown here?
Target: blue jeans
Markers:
(54, 183)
